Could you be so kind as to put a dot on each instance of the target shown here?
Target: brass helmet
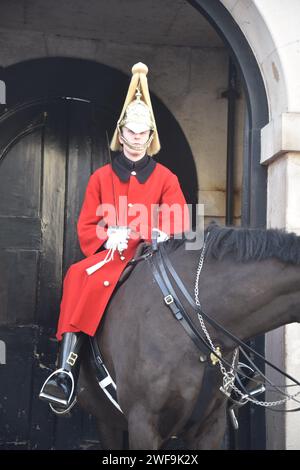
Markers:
(137, 113)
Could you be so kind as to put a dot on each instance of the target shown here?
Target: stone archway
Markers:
(254, 194)
(266, 50)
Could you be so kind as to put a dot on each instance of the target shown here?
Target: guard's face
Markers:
(134, 138)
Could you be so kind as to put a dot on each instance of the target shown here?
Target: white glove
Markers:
(161, 236)
(117, 238)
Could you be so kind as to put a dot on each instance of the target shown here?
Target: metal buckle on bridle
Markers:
(168, 299)
(215, 359)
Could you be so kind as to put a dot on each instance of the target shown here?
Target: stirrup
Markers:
(54, 400)
(63, 411)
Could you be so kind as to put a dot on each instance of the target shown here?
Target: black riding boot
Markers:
(60, 387)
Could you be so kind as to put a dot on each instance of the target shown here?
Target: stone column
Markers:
(281, 152)
(272, 31)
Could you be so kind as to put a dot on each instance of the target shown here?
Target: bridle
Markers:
(162, 268)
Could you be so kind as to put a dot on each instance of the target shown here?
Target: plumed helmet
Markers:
(137, 113)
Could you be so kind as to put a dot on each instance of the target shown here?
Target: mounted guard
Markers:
(109, 230)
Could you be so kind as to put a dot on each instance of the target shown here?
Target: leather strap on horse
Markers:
(210, 379)
(161, 282)
(174, 304)
(142, 252)
(103, 377)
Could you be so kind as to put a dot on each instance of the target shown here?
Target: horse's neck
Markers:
(251, 298)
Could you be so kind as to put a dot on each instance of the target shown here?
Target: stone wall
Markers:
(188, 79)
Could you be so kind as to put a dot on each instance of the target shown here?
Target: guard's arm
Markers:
(173, 215)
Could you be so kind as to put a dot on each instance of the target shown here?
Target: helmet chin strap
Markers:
(137, 147)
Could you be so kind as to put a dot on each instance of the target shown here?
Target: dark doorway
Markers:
(53, 136)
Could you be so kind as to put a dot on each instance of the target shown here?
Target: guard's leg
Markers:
(60, 386)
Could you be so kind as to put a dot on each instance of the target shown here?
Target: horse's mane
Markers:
(248, 244)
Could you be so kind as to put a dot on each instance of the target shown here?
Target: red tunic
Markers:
(86, 296)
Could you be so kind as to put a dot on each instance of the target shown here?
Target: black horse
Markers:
(250, 284)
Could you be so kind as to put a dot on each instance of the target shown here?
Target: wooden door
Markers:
(49, 150)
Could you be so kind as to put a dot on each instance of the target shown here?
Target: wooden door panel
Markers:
(78, 173)
(20, 233)
(16, 387)
(43, 180)
(52, 215)
(20, 176)
(19, 280)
